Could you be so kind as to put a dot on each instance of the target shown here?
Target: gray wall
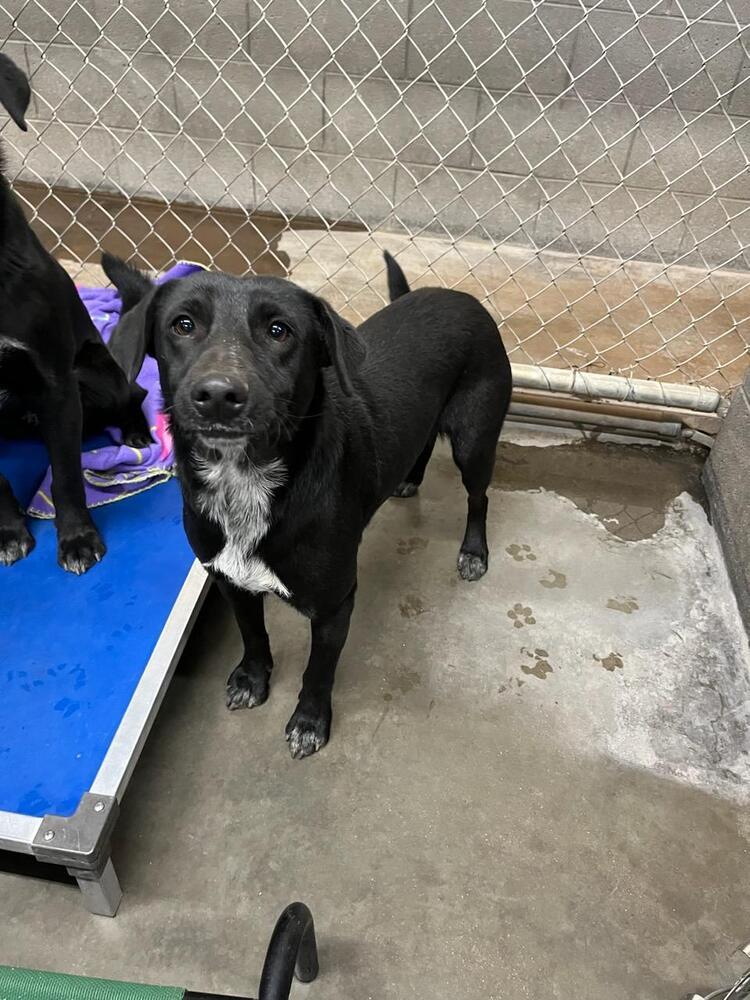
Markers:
(456, 116)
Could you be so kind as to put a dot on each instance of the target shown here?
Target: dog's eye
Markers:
(278, 331)
(183, 325)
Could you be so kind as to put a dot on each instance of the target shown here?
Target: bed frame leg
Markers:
(101, 892)
(81, 843)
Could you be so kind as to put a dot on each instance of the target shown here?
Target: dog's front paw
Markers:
(307, 732)
(246, 689)
(15, 543)
(406, 490)
(471, 566)
(79, 551)
(137, 438)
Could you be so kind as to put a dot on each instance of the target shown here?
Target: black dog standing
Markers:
(54, 370)
(291, 429)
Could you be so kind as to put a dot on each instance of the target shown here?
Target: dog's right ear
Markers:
(133, 337)
(15, 92)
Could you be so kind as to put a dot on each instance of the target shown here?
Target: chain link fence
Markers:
(579, 165)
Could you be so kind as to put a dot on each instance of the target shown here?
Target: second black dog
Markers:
(56, 374)
(291, 429)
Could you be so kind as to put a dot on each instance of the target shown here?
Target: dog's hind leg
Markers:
(414, 480)
(248, 683)
(79, 544)
(476, 472)
(309, 728)
(473, 421)
(16, 541)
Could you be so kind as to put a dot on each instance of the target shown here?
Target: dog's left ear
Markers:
(341, 344)
(15, 92)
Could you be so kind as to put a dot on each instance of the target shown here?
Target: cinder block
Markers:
(127, 25)
(663, 215)
(323, 186)
(154, 165)
(181, 168)
(224, 178)
(7, 30)
(726, 11)
(179, 27)
(646, 59)
(55, 20)
(467, 203)
(418, 122)
(65, 155)
(640, 6)
(360, 190)
(717, 233)
(62, 83)
(220, 32)
(246, 105)
(560, 139)
(353, 36)
(578, 218)
(739, 101)
(714, 51)
(501, 45)
(726, 476)
(103, 85)
(610, 221)
(697, 158)
(610, 51)
(213, 105)
(135, 90)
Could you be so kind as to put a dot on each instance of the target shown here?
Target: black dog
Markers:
(291, 429)
(54, 371)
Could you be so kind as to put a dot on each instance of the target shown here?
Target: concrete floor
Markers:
(537, 784)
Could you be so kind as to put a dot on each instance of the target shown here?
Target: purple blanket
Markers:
(116, 470)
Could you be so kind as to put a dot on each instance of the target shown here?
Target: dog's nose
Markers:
(220, 397)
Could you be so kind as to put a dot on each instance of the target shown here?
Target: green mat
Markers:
(27, 984)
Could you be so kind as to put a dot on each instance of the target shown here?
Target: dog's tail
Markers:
(128, 280)
(397, 283)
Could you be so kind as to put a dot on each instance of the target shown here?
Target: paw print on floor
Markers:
(610, 662)
(557, 581)
(521, 552)
(408, 546)
(411, 606)
(539, 666)
(521, 615)
(625, 604)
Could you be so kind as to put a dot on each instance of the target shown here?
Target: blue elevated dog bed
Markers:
(85, 663)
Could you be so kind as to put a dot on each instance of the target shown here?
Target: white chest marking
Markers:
(237, 496)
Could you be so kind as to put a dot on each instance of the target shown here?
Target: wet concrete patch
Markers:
(637, 605)
(629, 488)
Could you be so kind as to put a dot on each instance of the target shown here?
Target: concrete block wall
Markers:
(725, 476)
(544, 124)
